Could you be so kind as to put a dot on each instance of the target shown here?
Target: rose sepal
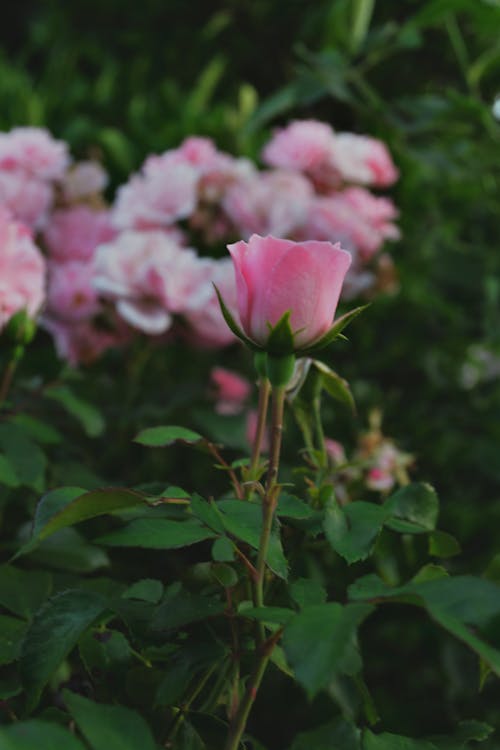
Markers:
(233, 324)
(334, 332)
(281, 338)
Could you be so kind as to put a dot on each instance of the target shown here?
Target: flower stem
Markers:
(9, 372)
(269, 503)
(264, 391)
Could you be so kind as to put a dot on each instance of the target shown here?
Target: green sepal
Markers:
(280, 369)
(334, 331)
(21, 328)
(233, 325)
(280, 341)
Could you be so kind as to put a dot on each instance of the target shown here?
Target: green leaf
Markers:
(243, 520)
(23, 456)
(413, 509)
(39, 431)
(23, 591)
(466, 732)
(456, 603)
(386, 741)
(338, 734)
(335, 330)
(223, 550)
(353, 530)
(11, 635)
(442, 544)
(54, 632)
(88, 416)
(334, 385)
(290, 506)
(280, 341)
(206, 512)
(109, 727)
(306, 591)
(27, 735)
(68, 550)
(183, 608)
(147, 590)
(224, 574)
(320, 642)
(104, 650)
(158, 533)
(67, 506)
(8, 474)
(162, 436)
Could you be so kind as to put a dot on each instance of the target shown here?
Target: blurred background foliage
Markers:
(126, 79)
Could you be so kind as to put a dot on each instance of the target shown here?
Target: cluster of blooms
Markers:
(376, 463)
(113, 270)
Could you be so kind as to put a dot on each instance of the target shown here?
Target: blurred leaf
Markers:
(413, 508)
(52, 635)
(148, 590)
(338, 734)
(88, 416)
(26, 735)
(160, 437)
(11, 635)
(109, 727)
(386, 741)
(68, 550)
(23, 591)
(183, 608)
(306, 591)
(23, 457)
(442, 544)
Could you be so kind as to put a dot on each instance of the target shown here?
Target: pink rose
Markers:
(71, 294)
(364, 160)
(35, 151)
(74, 233)
(274, 276)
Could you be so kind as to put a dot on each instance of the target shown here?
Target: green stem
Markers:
(319, 431)
(237, 726)
(184, 709)
(269, 503)
(264, 391)
(9, 372)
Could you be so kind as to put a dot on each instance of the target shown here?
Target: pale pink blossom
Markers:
(84, 179)
(379, 480)
(363, 160)
(205, 318)
(335, 451)
(274, 276)
(230, 391)
(149, 276)
(276, 202)
(164, 192)
(71, 295)
(306, 146)
(74, 233)
(27, 198)
(354, 217)
(22, 270)
(34, 151)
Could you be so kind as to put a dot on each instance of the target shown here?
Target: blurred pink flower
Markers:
(204, 316)
(74, 233)
(84, 179)
(276, 202)
(150, 276)
(34, 151)
(81, 342)
(335, 451)
(71, 294)
(379, 480)
(275, 275)
(27, 198)
(22, 270)
(363, 160)
(231, 390)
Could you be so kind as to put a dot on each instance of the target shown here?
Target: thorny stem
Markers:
(269, 503)
(264, 391)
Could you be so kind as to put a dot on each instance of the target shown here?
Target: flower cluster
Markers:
(133, 267)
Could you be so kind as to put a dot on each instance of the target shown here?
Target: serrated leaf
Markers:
(158, 533)
(52, 635)
(109, 727)
(413, 508)
(88, 416)
(206, 513)
(320, 642)
(42, 735)
(290, 506)
(184, 608)
(353, 530)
